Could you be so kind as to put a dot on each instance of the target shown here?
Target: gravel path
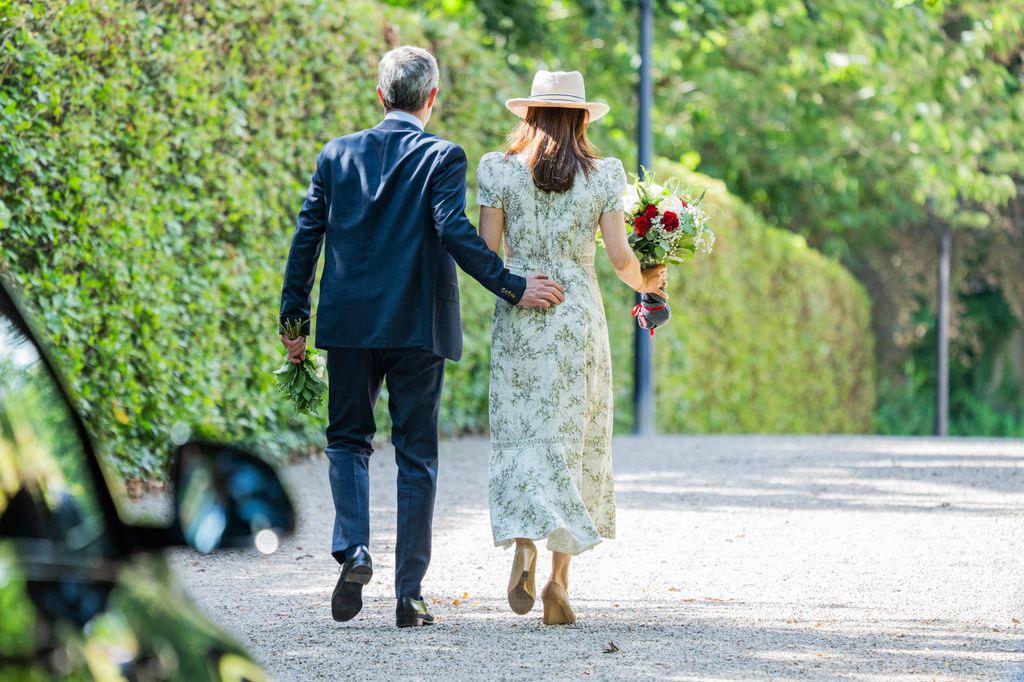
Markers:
(738, 558)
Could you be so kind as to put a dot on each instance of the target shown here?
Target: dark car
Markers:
(84, 594)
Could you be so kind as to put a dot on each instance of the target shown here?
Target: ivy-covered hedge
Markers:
(768, 335)
(153, 155)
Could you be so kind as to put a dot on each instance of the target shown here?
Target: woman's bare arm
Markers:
(627, 267)
(541, 292)
(492, 226)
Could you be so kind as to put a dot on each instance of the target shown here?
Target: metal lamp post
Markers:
(945, 239)
(942, 380)
(643, 347)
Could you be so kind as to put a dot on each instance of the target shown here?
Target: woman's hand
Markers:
(627, 267)
(654, 281)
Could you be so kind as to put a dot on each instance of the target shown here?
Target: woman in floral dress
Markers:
(551, 372)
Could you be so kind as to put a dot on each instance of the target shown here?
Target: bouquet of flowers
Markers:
(301, 383)
(667, 226)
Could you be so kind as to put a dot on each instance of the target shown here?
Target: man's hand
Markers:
(541, 292)
(296, 348)
(655, 281)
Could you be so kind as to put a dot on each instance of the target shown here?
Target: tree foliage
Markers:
(836, 119)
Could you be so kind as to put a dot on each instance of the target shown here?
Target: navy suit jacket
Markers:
(390, 205)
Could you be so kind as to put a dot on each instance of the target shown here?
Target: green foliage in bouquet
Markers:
(667, 224)
(301, 383)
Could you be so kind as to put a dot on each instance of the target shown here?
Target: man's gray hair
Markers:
(406, 76)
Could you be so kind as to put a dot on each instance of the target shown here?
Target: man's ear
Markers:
(380, 96)
(430, 100)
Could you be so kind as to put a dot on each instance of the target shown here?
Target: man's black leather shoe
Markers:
(357, 570)
(412, 612)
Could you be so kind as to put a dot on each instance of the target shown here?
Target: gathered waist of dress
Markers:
(548, 264)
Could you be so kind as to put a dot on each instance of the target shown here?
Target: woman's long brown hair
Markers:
(556, 139)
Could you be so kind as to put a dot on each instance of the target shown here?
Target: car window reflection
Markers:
(44, 484)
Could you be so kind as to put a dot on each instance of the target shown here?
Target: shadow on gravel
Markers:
(825, 473)
(279, 605)
(708, 641)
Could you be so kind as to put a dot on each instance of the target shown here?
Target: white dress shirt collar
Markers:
(405, 116)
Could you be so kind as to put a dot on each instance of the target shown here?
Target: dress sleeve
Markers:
(488, 180)
(614, 185)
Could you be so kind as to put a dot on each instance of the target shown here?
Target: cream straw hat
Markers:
(561, 89)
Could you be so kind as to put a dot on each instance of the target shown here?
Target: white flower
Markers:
(630, 199)
(655, 190)
(708, 241)
(671, 203)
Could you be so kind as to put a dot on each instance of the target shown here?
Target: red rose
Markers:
(651, 212)
(641, 224)
(669, 221)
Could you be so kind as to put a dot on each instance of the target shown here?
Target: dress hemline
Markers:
(580, 548)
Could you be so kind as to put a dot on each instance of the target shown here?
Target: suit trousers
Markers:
(414, 378)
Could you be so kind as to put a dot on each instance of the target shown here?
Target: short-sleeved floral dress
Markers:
(551, 370)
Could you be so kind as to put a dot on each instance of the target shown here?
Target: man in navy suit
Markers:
(389, 203)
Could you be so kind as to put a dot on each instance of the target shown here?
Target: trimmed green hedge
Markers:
(153, 156)
(768, 335)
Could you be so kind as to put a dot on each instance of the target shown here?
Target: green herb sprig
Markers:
(302, 383)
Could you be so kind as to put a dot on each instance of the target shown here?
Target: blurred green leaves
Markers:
(835, 119)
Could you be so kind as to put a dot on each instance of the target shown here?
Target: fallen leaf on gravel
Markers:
(465, 595)
(792, 620)
(820, 655)
(456, 601)
(611, 648)
(674, 589)
(1015, 621)
(712, 599)
(435, 600)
